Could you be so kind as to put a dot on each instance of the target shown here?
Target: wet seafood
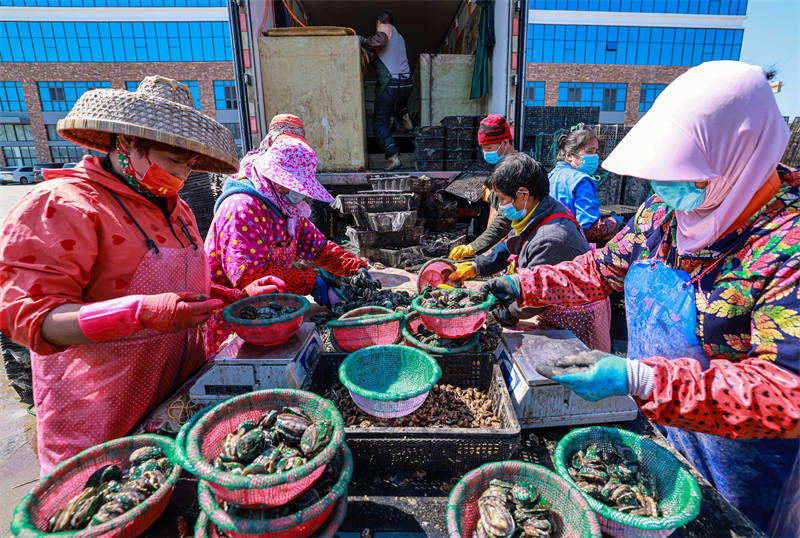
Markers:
(570, 364)
(447, 406)
(360, 290)
(278, 441)
(450, 299)
(109, 491)
(271, 310)
(513, 510)
(613, 476)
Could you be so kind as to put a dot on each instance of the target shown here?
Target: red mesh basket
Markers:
(68, 478)
(301, 523)
(365, 327)
(436, 272)
(454, 323)
(267, 332)
(203, 438)
(410, 328)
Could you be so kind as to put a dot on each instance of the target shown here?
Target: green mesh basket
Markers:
(455, 322)
(68, 478)
(389, 381)
(678, 490)
(199, 443)
(301, 523)
(574, 516)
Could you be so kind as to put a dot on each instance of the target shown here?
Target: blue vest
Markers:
(563, 180)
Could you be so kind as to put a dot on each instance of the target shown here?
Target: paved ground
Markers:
(18, 464)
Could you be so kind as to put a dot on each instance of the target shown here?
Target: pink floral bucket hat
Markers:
(292, 163)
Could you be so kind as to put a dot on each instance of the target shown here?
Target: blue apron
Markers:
(662, 319)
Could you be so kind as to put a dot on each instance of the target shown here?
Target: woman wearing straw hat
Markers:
(709, 267)
(102, 272)
(261, 225)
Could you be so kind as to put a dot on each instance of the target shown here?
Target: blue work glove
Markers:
(504, 317)
(620, 220)
(329, 278)
(506, 289)
(320, 292)
(608, 377)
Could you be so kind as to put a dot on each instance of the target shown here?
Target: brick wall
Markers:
(633, 75)
(116, 73)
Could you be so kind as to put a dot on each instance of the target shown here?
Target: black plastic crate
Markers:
(461, 143)
(429, 154)
(460, 121)
(373, 201)
(457, 165)
(429, 131)
(361, 238)
(461, 132)
(429, 143)
(460, 154)
(424, 166)
(456, 449)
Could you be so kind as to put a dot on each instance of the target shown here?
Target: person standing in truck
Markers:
(394, 84)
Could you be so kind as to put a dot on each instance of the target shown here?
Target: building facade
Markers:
(52, 51)
(619, 54)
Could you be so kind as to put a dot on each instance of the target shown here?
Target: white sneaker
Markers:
(394, 162)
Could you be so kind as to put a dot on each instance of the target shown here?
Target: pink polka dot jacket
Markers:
(748, 316)
(69, 242)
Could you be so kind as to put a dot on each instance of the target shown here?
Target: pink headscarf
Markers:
(718, 122)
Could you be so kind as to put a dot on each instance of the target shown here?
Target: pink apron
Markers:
(93, 393)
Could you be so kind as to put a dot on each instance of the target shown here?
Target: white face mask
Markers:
(294, 197)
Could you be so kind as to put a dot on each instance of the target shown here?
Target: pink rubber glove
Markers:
(266, 284)
(164, 312)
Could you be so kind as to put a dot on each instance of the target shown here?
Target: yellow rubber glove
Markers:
(462, 251)
(464, 270)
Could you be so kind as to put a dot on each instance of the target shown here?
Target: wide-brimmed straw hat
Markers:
(161, 109)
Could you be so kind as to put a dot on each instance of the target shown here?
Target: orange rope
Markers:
(270, 4)
(292, 14)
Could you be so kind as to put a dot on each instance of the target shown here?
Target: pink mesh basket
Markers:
(267, 332)
(300, 523)
(68, 478)
(364, 327)
(437, 272)
(204, 437)
(454, 323)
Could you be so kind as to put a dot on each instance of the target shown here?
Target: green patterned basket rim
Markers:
(490, 468)
(22, 523)
(203, 469)
(365, 320)
(485, 306)
(227, 312)
(224, 520)
(434, 373)
(692, 495)
(435, 349)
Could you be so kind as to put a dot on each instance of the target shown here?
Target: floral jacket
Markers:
(748, 315)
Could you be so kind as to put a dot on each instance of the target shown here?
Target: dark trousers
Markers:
(392, 101)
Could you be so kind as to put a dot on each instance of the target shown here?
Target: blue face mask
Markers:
(492, 157)
(512, 212)
(682, 195)
(294, 197)
(589, 164)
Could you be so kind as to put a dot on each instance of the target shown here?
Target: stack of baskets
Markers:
(429, 143)
(234, 503)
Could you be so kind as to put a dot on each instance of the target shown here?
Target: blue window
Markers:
(534, 93)
(62, 95)
(558, 43)
(606, 96)
(114, 3)
(188, 41)
(225, 97)
(11, 97)
(648, 95)
(131, 86)
(701, 7)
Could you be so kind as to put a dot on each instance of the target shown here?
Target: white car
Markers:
(16, 174)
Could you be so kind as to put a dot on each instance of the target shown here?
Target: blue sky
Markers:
(771, 38)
